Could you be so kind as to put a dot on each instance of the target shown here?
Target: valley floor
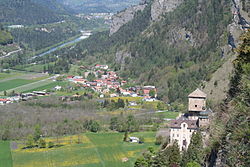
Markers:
(94, 150)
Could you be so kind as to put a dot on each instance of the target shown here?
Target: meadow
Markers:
(23, 82)
(94, 150)
(13, 84)
(5, 154)
(168, 114)
(47, 86)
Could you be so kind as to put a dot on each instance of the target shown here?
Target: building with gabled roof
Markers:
(196, 103)
(181, 130)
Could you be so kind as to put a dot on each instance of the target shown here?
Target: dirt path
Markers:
(10, 53)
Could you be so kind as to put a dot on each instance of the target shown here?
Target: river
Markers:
(85, 35)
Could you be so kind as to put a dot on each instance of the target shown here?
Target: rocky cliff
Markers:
(124, 17)
(220, 79)
(160, 7)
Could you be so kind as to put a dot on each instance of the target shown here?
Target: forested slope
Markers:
(5, 36)
(26, 12)
(230, 129)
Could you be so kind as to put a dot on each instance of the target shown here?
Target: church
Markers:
(181, 129)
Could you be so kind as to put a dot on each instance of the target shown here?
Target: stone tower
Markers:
(196, 104)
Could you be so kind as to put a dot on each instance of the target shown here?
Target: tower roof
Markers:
(198, 93)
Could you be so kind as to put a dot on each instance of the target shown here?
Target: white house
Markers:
(134, 139)
(181, 130)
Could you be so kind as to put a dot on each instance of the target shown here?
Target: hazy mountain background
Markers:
(94, 6)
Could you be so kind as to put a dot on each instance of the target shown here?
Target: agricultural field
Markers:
(94, 150)
(50, 85)
(6, 76)
(5, 154)
(25, 82)
(13, 84)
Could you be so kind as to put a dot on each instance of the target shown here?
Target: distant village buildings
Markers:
(181, 129)
(109, 82)
(103, 81)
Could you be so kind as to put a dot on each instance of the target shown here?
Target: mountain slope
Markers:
(175, 53)
(98, 6)
(54, 5)
(230, 129)
(26, 12)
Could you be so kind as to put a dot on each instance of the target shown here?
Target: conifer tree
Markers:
(194, 152)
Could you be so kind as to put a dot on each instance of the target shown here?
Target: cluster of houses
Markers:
(104, 81)
(108, 82)
(22, 97)
(105, 16)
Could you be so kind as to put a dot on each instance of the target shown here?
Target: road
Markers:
(10, 53)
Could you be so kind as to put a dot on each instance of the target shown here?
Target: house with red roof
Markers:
(4, 101)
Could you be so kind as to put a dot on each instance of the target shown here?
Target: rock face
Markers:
(124, 17)
(159, 7)
(121, 57)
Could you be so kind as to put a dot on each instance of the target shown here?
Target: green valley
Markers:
(124, 83)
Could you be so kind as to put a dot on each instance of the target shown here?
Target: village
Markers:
(99, 79)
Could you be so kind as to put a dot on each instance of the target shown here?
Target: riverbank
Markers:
(84, 35)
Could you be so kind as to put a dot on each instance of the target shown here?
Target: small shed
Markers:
(134, 139)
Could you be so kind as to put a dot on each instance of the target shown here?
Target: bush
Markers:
(50, 144)
(42, 143)
(159, 140)
(141, 140)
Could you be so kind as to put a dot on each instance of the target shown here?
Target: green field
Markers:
(46, 87)
(32, 86)
(168, 114)
(4, 76)
(30, 82)
(13, 84)
(96, 150)
(5, 154)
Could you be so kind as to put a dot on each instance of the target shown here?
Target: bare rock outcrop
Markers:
(160, 7)
(124, 17)
(121, 57)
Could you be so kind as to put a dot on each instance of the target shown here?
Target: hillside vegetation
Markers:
(5, 37)
(231, 129)
(26, 12)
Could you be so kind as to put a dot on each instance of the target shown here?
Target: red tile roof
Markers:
(4, 100)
